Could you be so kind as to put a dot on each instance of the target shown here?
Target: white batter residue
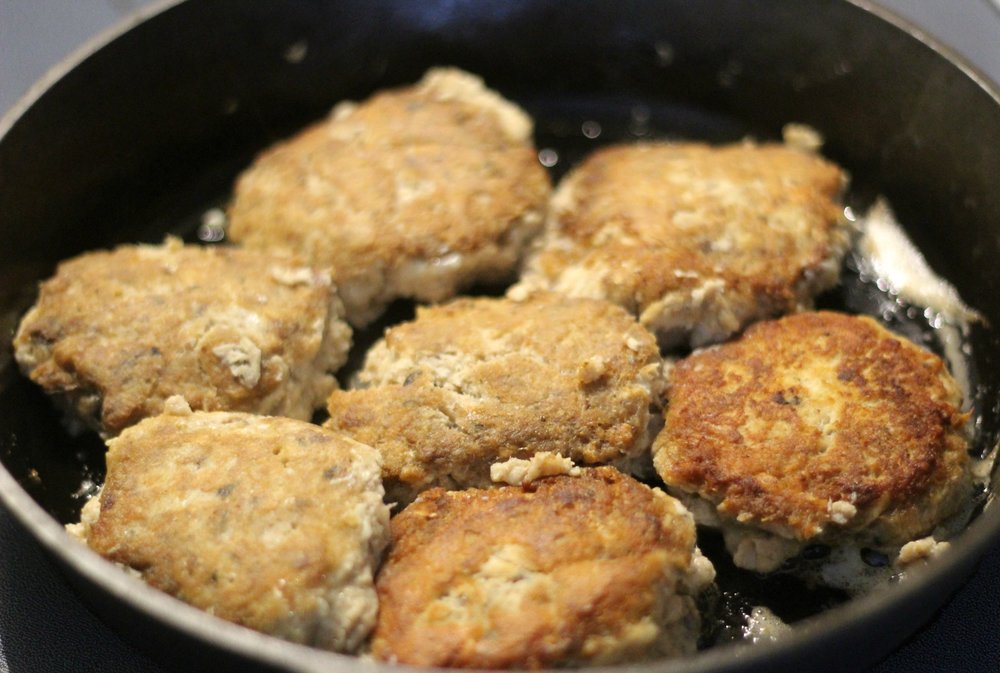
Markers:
(897, 263)
(764, 626)
(887, 254)
(846, 570)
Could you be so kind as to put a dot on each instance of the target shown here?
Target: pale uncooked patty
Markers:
(475, 381)
(271, 523)
(818, 427)
(416, 192)
(114, 334)
(696, 241)
(587, 570)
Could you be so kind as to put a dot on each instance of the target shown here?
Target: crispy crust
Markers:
(114, 334)
(477, 381)
(271, 523)
(818, 426)
(594, 569)
(696, 241)
(415, 192)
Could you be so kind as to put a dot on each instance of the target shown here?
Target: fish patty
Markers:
(475, 381)
(817, 427)
(271, 523)
(415, 192)
(115, 333)
(696, 241)
(571, 571)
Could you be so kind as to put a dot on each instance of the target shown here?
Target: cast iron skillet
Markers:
(142, 135)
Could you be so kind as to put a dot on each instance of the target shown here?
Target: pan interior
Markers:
(141, 157)
(62, 465)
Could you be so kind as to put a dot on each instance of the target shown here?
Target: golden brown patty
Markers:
(696, 241)
(594, 569)
(415, 192)
(814, 427)
(271, 523)
(115, 333)
(480, 380)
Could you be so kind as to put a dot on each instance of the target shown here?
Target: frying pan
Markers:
(146, 133)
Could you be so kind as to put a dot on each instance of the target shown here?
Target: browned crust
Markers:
(259, 520)
(814, 409)
(474, 195)
(601, 551)
(648, 220)
(117, 332)
(476, 381)
(407, 175)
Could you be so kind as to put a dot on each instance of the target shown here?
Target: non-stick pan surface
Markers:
(144, 135)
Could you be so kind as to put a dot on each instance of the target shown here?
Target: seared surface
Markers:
(697, 241)
(818, 426)
(594, 569)
(416, 192)
(477, 381)
(271, 523)
(114, 334)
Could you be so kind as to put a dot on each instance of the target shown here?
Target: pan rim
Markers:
(68, 63)
(143, 14)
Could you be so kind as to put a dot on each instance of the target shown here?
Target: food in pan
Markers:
(567, 571)
(272, 523)
(814, 428)
(476, 381)
(115, 333)
(416, 192)
(696, 241)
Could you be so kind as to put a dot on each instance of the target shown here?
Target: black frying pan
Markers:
(145, 134)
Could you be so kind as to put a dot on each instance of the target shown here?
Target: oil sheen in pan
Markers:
(63, 469)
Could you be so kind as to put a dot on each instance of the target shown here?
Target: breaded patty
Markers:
(480, 380)
(573, 571)
(818, 427)
(272, 523)
(416, 192)
(697, 241)
(114, 334)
